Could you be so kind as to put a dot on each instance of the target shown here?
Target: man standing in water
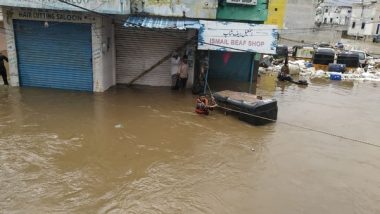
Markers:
(175, 59)
(284, 73)
(183, 73)
(3, 71)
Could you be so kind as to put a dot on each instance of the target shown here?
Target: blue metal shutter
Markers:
(58, 55)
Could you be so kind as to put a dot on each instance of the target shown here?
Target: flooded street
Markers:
(143, 150)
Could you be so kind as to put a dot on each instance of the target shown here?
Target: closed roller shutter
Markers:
(139, 49)
(55, 56)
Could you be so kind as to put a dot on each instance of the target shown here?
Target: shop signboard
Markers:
(238, 37)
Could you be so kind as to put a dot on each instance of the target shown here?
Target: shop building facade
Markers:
(153, 31)
(57, 45)
(59, 49)
(141, 46)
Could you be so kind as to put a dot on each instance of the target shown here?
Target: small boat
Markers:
(248, 107)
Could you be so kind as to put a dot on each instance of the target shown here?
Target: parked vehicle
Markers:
(362, 57)
(303, 52)
(281, 52)
(339, 45)
(349, 59)
(324, 45)
(376, 38)
(323, 57)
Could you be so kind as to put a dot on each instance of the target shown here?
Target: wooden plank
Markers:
(160, 62)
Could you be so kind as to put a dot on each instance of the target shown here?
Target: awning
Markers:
(162, 23)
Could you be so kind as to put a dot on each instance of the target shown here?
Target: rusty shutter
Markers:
(137, 49)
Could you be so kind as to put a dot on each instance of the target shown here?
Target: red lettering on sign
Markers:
(218, 41)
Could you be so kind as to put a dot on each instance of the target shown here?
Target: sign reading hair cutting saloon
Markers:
(237, 37)
(101, 6)
(51, 16)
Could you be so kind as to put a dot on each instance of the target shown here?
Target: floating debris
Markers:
(119, 126)
(305, 70)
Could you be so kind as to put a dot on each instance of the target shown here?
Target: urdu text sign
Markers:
(247, 2)
(238, 37)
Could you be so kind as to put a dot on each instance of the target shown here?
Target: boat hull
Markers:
(255, 112)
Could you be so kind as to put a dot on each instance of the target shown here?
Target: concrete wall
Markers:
(179, 8)
(103, 54)
(300, 25)
(109, 52)
(3, 46)
(190, 52)
(300, 13)
(276, 13)
(335, 15)
(369, 15)
(102, 57)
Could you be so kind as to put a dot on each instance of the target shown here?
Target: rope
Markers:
(208, 86)
(296, 126)
(237, 111)
(302, 127)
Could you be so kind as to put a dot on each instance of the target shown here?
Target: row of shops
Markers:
(89, 52)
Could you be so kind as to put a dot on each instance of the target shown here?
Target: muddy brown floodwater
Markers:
(143, 150)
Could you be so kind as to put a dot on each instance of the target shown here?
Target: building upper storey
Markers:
(101, 6)
(242, 10)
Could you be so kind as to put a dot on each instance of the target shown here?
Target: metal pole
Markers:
(361, 20)
(208, 68)
(252, 71)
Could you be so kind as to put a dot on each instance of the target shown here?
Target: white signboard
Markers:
(101, 6)
(50, 15)
(248, 2)
(238, 37)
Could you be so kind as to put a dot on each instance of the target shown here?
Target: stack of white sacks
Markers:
(302, 68)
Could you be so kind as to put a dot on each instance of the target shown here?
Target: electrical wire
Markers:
(303, 127)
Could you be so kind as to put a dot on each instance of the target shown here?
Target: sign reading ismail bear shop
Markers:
(237, 37)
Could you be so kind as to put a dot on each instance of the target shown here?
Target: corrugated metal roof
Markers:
(162, 22)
